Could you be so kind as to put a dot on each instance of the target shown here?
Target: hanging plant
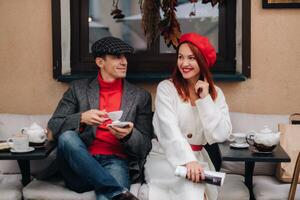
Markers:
(150, 20)
(169, 26)
(116, 12)
(213, 2)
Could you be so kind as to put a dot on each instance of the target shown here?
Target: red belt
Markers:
(196, 147)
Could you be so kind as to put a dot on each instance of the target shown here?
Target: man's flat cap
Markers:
(110, 45)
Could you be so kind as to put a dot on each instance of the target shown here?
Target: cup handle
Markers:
(249, 139)
(23, 130)
(10, 141)
(230, 138)
(43, 137)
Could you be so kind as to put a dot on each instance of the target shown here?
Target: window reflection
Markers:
(102, 24)
(205, 22)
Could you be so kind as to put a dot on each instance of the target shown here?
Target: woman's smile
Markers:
(186, 69)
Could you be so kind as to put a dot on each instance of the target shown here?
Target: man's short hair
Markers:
(110, 46)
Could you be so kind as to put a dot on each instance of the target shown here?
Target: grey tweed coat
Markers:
(136, 104)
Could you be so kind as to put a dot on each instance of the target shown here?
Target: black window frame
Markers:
(150, 65)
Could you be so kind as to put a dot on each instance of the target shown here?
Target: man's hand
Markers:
(93, 117)
(49, 135)
(195, 171)
(121, 132)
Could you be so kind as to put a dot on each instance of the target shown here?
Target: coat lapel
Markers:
(93, 98)
(128, 97)
(93, 94)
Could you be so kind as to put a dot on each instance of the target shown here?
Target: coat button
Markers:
(189, 135)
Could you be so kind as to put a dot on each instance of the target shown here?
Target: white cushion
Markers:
(268, 187)
(261, 168)
(245, 122)
(9, 167)
(233, 188)
(54, 190)
(143, 192)
(134, 188)
(10, 187)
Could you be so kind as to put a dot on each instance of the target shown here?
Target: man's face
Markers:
(112, 67)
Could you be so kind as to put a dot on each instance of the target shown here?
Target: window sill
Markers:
(154, 77)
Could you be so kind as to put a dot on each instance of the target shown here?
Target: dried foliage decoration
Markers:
(169, 25)
(150, 20)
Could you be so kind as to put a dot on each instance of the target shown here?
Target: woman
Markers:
(190, 112)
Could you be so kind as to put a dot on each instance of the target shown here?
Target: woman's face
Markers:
(187, 63)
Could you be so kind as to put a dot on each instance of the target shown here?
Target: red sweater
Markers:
(105, 143)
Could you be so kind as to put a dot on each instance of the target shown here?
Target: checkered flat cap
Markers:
(111, 45)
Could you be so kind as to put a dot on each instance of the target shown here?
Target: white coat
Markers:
(173, 121)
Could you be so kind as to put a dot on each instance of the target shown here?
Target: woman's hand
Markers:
(202, 88)
(195, 171)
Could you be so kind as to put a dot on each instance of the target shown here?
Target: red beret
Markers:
(203, 44)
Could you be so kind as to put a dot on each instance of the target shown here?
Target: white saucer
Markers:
(239, 145)
(119, 124)
(26, 151)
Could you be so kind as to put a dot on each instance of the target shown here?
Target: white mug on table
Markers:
(19, 142)
(239, 138)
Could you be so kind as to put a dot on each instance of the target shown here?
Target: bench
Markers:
(264, 182)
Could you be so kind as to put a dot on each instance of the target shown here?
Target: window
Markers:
(78, 23)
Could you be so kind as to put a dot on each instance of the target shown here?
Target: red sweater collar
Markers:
(109, 86)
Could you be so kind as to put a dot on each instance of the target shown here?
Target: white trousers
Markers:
(163, 184)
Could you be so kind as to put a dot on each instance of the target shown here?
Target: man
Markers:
(92, 154)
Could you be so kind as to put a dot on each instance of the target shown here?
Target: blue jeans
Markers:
(106, 174)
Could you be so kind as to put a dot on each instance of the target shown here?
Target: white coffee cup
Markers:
(238, 137)
(115, 115)
(19, 142)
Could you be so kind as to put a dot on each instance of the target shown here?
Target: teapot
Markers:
(35, 132)
(265, 140)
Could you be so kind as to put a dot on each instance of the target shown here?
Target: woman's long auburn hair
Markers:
(181, 84)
